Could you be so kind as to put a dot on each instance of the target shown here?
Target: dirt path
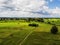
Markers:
(26, 37)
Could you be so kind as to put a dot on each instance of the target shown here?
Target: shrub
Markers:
(34, 25)
(40, 20)
(52, 21)
(54, 29)
(49, 22)
(11, 35)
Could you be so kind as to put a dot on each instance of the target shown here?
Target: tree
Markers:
(39, 19)
(33, 25)
(54, 29)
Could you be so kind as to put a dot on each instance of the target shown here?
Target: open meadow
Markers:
(16, 32)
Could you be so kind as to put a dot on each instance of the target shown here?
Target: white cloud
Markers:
(21, 7)
(56, 11)
(51, 0)
(53, 12)
(24, 8)
(28, 5)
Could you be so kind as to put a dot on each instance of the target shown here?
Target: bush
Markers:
(40, 20)
(34, 25)
(49, 22)
(52, 21)
(54, 29)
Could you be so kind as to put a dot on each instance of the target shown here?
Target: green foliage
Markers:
(33, 25)
(54, 29)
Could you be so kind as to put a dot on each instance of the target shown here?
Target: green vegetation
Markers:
(18, 32)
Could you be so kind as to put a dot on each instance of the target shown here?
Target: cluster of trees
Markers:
(33, 25)
(26, 19)
(35, 19)
(9, 18)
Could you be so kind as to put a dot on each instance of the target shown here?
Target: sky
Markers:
(30, 8)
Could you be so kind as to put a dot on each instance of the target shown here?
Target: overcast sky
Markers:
(29, 8)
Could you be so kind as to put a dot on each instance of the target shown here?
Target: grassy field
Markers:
(19, 33)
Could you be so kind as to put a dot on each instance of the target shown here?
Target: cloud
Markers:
(27, 8)
(18, 8)
(51, 0)
(55, 12)
(28, 5)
